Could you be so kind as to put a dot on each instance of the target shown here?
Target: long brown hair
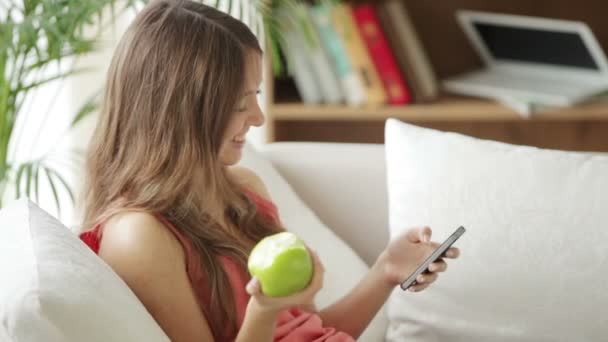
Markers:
(175, 79)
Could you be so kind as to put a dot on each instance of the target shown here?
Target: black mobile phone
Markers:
(433, 257)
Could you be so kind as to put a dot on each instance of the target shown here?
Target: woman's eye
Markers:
(241, 107)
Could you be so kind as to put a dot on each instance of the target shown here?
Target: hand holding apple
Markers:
(285, 273)
(282, 264)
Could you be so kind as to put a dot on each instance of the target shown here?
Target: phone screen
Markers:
(436, 255)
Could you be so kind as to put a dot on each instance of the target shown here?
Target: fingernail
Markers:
(252, 282)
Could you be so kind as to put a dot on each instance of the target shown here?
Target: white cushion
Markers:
(343, 267)
(347, 190)
(54, 288)
(534, 259)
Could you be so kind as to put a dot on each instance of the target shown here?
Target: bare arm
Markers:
(259, 325)
(364, 300)
(147, 256)
(362, 304)
(353, 312)
(402, 255)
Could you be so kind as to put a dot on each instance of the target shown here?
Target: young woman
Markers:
(171, 214)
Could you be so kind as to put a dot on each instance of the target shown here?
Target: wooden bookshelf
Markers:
(447, 109)
(582, 127)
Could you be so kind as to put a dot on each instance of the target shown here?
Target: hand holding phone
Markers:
(438, 253)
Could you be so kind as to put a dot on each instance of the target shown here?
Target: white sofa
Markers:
(53, 288)
(344, 184)
(534, 264)
(332, 195)
(316, 186)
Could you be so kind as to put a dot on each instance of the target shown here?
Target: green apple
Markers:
(282, 264)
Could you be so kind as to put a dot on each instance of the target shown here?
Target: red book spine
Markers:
(381, 54)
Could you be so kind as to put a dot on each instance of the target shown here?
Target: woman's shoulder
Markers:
(256, 190)
(250, 180)
(145, 253)
(135, 236)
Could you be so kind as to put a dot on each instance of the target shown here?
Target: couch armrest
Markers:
(344, 184)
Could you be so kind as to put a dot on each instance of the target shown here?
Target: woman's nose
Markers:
(257, 117)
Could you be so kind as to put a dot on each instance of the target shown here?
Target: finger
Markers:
(309, 292)
(418, 287)
(438, 266)
(310, 250)
(313, 254)
(425, 234)
(419, 234)
(317, 264)
(433, 245)
(318, 273)
(426, 278)
(318, 276)
(452, 253)
(253, 287)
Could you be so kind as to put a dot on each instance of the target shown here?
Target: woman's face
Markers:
(246, 114)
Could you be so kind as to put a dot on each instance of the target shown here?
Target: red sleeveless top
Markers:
(293, 325)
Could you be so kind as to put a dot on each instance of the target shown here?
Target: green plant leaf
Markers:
(18, 180)
(4, 170)
(42, 61)
(35, 34)
(53, 173)
(90, 105)
(51, 79)
(28, 179)
(26, 175)
(36, 183)
(53, 190)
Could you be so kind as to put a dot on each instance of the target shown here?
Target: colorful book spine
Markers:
(379, 49)
(408, 49)
(327, 80)
(299, 61)
(345, 26)
(352, 85)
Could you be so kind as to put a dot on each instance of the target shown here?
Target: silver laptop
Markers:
(533, 60)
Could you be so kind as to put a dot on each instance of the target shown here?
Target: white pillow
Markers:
(54, 288)
(534, 259)
(343, 267)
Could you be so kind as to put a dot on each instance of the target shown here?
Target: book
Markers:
(352, 85)
(300, 64)
(345, 26)
(327, 80)
(409, 52)
(382, 56)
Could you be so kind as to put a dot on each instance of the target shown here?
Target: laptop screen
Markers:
(536, 46)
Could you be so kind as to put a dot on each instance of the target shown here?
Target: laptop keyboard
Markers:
(518, 82)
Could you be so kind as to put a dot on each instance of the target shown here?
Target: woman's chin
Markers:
(232, 158)
(232, 153)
